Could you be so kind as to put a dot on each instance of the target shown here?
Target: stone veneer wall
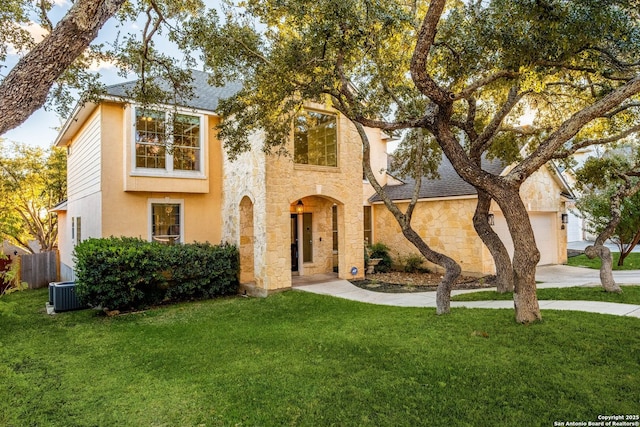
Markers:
(319, 188)
(274, 183)
(246, 177)
(446, 225)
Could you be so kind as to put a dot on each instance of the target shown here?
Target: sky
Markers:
(41, 129)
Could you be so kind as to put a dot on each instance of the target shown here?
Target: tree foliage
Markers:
(56, 58)
(611, 197)
(463, 71)
(32, 181)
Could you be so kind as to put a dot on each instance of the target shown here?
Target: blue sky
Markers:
(42, 127)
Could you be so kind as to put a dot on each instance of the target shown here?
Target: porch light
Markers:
(491, 219)
(564, 218)
(299, 207)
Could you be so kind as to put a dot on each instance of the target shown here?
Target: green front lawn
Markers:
(629, 295)
(631, 262)
(297, 359)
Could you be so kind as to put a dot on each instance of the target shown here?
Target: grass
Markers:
(298, 359)
(631, 262)
(629, 295)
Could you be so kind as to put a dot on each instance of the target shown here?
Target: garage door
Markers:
(544, 229)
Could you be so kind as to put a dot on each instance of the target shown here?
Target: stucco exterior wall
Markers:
(126, 213)
(99, 165)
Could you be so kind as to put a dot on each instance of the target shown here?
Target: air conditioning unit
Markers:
(62, 296)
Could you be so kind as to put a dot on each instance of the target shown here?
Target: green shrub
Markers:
(125, 272)
(380, 250)
(412, 263)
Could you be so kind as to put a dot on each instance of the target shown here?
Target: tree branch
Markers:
(423, 81)
(599, 141)
(27, 85)
(469, 90)
(570, 128)
(484, 139)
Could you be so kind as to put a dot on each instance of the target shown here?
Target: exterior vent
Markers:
(62, 295)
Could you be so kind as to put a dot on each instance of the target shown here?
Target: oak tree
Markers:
(32, 181)
(610, 205)
(464, 72)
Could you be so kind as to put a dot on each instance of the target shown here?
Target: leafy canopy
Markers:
(32, 181)
(498, 59)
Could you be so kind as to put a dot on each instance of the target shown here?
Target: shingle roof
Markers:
(447, 185)
(205, 97)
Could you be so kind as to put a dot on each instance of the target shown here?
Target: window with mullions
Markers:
(172, 142)
(165, 223)
(316, 139)
(151, 133)
(186, 142)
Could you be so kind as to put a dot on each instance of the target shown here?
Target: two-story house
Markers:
(161, 174)
(129, 174)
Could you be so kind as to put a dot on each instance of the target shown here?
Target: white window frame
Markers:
(165, 201)
(168, 170)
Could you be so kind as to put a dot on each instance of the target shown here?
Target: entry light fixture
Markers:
(299, 207)
(565, 218)
(491, 219)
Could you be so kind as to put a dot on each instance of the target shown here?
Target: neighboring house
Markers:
(12, 250)
(290, 215)
(443, 217)
(299, 214)
(576, 228)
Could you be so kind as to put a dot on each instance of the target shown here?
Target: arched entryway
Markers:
(247, 239)
(314, 228)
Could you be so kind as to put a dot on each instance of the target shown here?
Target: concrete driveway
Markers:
(561, 276)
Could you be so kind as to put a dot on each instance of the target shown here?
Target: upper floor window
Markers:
(316, 139)
(168, 141)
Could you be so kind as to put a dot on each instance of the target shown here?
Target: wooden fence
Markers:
(39, 269)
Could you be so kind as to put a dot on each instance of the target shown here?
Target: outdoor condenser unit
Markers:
(62, 295)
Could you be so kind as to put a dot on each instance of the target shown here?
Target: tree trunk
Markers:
(27, 85)
(606, 266)
(506, 193)
(625, 252)
(504, 268)
(451, 268)
(525, 255)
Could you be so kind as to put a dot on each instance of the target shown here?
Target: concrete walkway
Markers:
(553, 276)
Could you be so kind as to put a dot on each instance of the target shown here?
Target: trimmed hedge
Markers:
(131, 273)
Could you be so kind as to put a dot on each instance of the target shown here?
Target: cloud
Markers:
(37, 31)
(98, 65)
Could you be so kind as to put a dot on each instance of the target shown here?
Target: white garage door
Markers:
(574, 228)
(544, 229)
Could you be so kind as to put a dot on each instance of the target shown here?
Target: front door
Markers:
(294, 242)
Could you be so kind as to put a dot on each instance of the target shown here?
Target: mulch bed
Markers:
(397, 282)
